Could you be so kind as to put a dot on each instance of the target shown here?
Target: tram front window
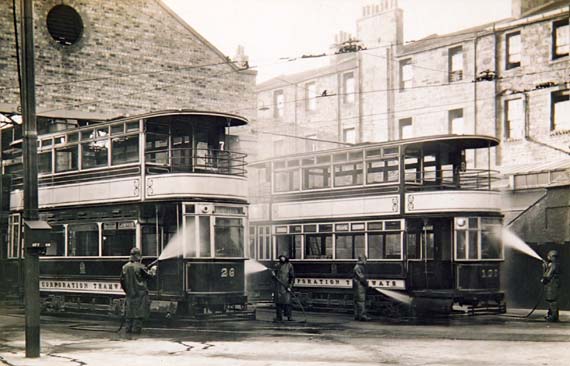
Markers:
(228, 237)
(477, 238)
(490, 238)
(83, 240)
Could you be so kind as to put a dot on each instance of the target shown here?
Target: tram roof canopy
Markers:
(427, 143)
(231, 119)
(459, 141)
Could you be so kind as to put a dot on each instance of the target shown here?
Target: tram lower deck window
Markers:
(57, 241)
(289, 245)
(83, 240)
(318, 246)
(349, 246)
(118, 238)
(385, 245)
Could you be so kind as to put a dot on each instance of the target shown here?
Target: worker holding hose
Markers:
(360, 286)
(134, 277)
(284, 276)
(551, 281)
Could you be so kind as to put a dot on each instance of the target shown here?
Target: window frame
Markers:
(559, 96)
(555, 26)
(311, 96)
(508, 40)
(348, 96)
(405, 122)
(278, 103)
(455, 75)
(507, 125)
(453, 115)
(406, 83)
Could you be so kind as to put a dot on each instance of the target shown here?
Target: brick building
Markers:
(101, 58)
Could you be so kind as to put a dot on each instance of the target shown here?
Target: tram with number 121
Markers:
(429, 226)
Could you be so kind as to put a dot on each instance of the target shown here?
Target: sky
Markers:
(273, 30)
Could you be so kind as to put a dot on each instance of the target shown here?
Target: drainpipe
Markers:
(475, 40)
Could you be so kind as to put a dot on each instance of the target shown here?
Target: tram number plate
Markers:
(227, 272)
(489, 273)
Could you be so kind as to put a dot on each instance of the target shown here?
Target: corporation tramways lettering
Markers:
(81, 286)
(346, 283)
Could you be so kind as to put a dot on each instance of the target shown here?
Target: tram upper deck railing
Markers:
(188, 160)
(436, 163)
(161, 161)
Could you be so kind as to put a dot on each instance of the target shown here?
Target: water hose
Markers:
(532, 311)
(293, 295)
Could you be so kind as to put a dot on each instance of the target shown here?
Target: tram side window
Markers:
(118, 238)
(318, 246)
(156, 148)
(286, 181)
(83, 240)
(349, 246)
(385, 245)
(251, 248)
(347, 174)
(264, 242)
(14, 235)
(382, 171)
(44, 162)
(228, 237)
(94, 154)
(150, 240)
(57, 241)
(316, 177)
(125, 149)
(66, 158)
(289, 245)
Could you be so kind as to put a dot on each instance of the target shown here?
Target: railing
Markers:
(447, 179)
(188, 160)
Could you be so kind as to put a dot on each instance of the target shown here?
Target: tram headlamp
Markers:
(461, 222)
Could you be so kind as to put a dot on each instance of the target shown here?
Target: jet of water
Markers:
(253, 266)
(175, 246)
(398, 296)
(510, 240)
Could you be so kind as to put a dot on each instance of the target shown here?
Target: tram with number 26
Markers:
(427, 223)
(108, 185)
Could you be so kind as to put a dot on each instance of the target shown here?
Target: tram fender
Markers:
(423, 305)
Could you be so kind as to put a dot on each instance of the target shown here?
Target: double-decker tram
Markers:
(163, 182)
(427, 224)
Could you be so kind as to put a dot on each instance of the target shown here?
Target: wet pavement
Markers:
(324, 339)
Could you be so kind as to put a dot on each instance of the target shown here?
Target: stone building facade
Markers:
(505, 79)
(108, 58)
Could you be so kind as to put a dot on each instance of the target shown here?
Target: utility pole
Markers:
(30, 167)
